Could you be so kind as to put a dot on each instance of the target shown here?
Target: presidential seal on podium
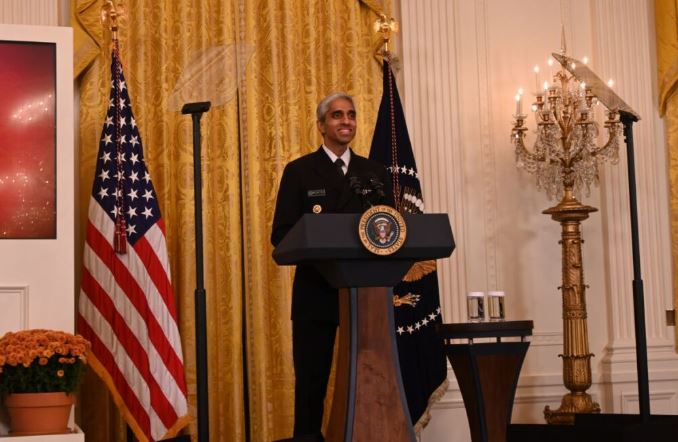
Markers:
(382, 230)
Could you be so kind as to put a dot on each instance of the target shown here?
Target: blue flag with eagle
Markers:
(416, 301)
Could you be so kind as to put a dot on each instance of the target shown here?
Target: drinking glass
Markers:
(475, 303)
(495, 300)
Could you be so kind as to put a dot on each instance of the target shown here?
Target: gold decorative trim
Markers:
(419, 270)
(410, 299)
(426, 415)
(110, 14)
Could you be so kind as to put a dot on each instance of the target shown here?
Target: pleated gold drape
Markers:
(666, 15)
(301, 50)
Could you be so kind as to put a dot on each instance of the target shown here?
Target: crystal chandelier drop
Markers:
(565, 157)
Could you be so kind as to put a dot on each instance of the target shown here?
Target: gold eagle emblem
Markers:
(419, 270)
(409, 299)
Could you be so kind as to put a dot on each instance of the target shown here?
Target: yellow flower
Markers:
(60, 373)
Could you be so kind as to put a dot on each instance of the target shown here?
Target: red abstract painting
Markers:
(27, 140)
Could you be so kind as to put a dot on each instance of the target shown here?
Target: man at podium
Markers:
(333, 179)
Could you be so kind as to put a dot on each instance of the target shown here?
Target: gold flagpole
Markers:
(386, 26)
(110, 13)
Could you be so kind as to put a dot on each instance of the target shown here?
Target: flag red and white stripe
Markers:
(126, 304)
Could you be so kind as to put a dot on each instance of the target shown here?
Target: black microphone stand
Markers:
(196, 110)
(627, 120)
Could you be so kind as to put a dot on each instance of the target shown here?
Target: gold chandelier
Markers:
(566, 154)
(565, 160)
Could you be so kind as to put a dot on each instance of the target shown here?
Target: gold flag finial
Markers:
(110, 13)
(386, 26)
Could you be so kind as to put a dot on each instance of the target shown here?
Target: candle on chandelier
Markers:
(610, 83)
(585, 60)
(536, 78)
(550, 63)
(546, 85)
(519, 104)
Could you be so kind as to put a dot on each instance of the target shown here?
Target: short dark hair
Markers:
(324, 104)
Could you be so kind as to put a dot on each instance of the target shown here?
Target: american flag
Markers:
(126, 305)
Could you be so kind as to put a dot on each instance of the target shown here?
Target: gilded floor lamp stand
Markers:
(576, 356)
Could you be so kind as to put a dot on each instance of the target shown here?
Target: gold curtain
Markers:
(285, 56)
(666, 15)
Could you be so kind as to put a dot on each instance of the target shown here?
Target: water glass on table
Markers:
(495, 300)
(475, 304)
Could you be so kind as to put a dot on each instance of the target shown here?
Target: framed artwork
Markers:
(28, 140)
(38, 180)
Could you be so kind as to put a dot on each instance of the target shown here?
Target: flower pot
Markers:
(39, 413)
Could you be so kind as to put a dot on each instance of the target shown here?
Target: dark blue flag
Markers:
(416, 300)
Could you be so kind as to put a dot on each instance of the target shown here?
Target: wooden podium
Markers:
(369, 401)
(487, 372)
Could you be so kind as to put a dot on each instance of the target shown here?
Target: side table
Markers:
(487, 372)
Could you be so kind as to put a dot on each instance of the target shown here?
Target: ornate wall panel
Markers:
(624, 50)
(33, 12)
(462, 62)
(14, 305)
(429, 84)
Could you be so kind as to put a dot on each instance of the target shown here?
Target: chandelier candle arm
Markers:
(567, 132)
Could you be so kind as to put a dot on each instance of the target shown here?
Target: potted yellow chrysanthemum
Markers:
(41, 366)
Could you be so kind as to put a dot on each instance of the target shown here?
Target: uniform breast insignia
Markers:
(317, 208)
(382, 230)
(315, 193)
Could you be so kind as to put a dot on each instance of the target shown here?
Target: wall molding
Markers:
(629, 401)
(600, 378)
(14, 296)
(546, 339)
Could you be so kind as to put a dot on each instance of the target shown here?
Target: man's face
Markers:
(339, 126)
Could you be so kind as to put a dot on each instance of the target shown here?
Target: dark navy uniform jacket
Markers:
(306, 182)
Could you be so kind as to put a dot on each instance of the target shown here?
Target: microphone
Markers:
(377, 186)
(355, 184)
